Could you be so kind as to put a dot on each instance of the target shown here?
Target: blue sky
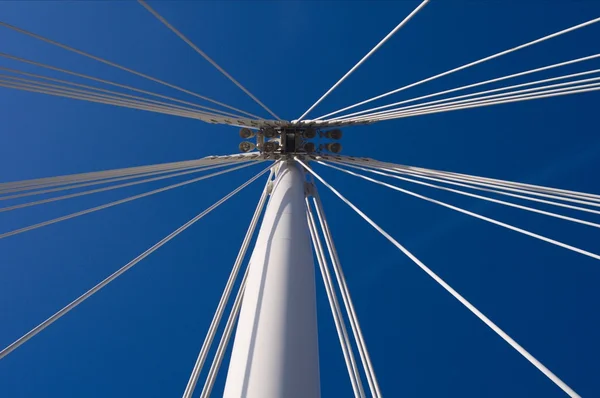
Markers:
(140, 335)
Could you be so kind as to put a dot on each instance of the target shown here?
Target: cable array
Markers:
(115, 65)
(213, 111)
(91, 96)
(561, 384)
(125, 200)
(122, 270)
(466, 66)
(205, 56)
(38, 183)
(334, 304)
(371, 111)
(457, 191)
(363, 59)
(470, 213)
(456, 183)
(212, 330)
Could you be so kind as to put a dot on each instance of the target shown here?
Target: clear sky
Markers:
(140, 335)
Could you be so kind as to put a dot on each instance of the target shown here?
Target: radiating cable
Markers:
(470, 213)
(224, 341)
(537, 190)
(70, 185)
(118, 202)
(482, 60)
(205, 56)
(68, 48)
(91, 90)
(110, 188)
(453, 292)
(66, 94)
(475, 187)
(429, 104)
(472, 195)
(336, 312)
(212, 330)
(548, 67)
(432, 175)
(104, 99)
(98, 98)
(47, 182)
(347, 299)
(88, 77)
(455, 102)
(508, 100)
(504, 184)
(122, 270)
(94, 173)
(359, 63)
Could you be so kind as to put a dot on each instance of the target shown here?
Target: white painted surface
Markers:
(275, 353)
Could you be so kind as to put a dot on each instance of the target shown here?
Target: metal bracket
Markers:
(270, 187)
(309, 189)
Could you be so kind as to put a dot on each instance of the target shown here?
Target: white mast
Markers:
(275, 353)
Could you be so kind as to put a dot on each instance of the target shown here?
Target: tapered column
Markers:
(275, 353)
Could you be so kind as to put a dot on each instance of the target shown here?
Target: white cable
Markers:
(498, 188)
(530, 189)
(81, 176)
(453, 292)
(63, 180)
(212, 330)
(336, 312)
(359, 63)
(97, 100)
(497, 183)
(47, 182)
(459, 192)
(447, 181)
(118, 202)
(110, 188)
(103, 100)
(466, 66)
(50, 67)
(102, 181)
(68, 48)
(507, 187)
(122, 270)
(452, 100)
(347, 299)
(63, 184)
(100, 178)
(574, 61)
(205, 56)
(519, 98)
(208, 118)
(90, 90)
(450, 103)
(224, 342)
(491, 220)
